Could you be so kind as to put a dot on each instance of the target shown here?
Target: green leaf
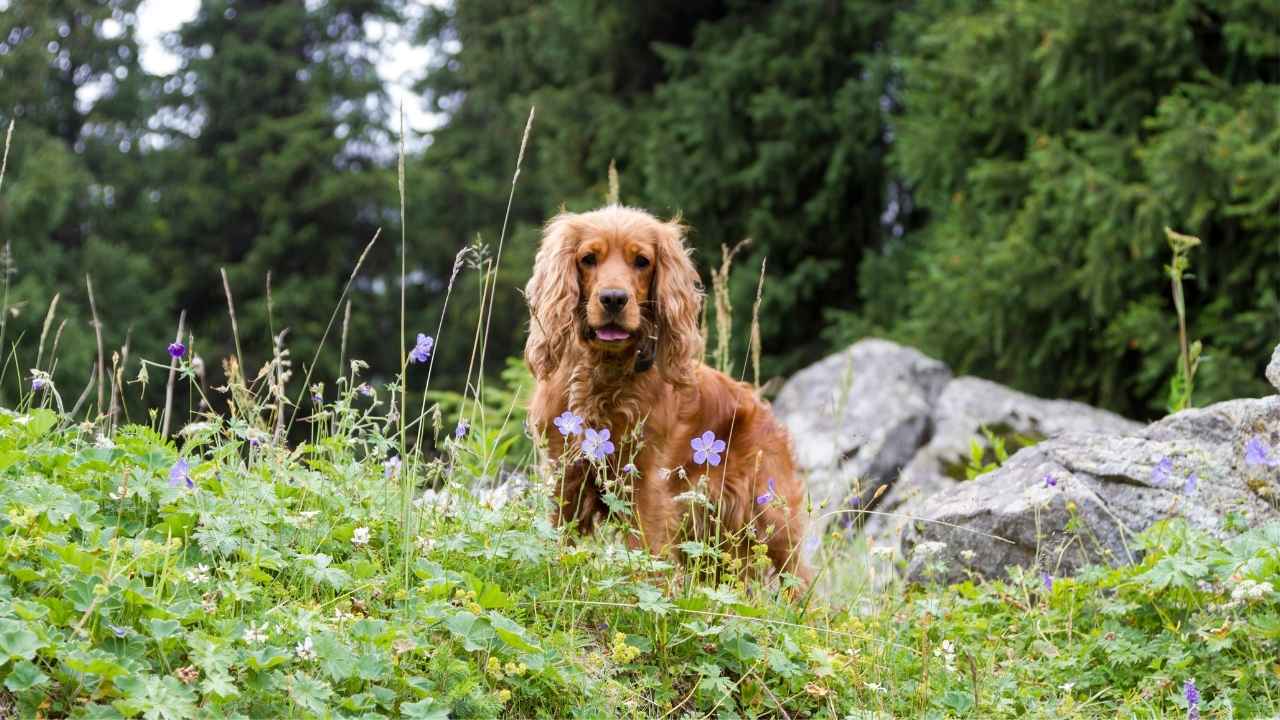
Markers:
(474, 632)
(265, 658)
(309, 693)
(424, 710)
(164, 629)
(958, 700)
(336, 659)
(25, 676)
(512, 633)
(491, 597)
(17, 642)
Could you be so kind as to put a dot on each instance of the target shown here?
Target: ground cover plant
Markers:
(226, 575)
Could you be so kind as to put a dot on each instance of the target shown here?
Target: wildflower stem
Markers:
(342, 345)
(84, 396)
(231, 310)
(333, 316)
(44, 331)
(497, 260)
(173, 374)
(97, 330)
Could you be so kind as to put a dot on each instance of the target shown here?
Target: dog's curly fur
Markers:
(652, 390)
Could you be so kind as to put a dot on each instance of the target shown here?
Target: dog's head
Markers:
(619, 282)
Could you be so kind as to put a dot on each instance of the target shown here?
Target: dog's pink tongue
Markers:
(610, 334)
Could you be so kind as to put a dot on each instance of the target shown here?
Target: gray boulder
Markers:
(1109, 486)
(967, 407)
(1273, 369)
(857, 418)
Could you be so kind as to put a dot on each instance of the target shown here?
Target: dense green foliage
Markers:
(987, 180)
(256, 581)
(1050, 143)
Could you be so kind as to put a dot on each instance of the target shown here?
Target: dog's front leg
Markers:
(657, 513)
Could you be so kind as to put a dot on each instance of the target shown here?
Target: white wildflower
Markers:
(360, 536)
(306, 649)
(102, 442)
(255, 634)
(883, 552)
(968, 555)
(947, 653)
(930, 548)
(195, 428)
(198, 574)
(1249, 591)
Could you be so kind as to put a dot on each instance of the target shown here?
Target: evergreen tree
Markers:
(280, 163)
(1050, 143)
(74, 200)
(752, 119)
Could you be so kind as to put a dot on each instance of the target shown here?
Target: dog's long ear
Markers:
(552, 294)
(678, 296)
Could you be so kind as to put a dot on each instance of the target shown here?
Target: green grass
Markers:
(122, 596)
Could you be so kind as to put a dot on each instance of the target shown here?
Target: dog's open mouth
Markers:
(612, 333)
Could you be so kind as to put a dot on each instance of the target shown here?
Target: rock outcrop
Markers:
(858, 417)
(1107, 487)
(884, 433)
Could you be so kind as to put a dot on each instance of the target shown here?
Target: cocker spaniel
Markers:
(615, 347)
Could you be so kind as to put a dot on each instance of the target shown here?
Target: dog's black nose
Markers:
(613, 299)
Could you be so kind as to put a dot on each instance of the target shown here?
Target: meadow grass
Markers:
(272, 585)
(224, 572)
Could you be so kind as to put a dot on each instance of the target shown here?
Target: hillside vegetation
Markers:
(237, 578)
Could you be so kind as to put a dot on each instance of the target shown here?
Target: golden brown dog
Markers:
(614, 345)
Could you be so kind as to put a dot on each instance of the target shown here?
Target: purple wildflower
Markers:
(391, 466)
(38, 383)
(630, 469)
(596, 444)
(117, 630)
(421, 351)
(1161, 473)
(707, 449)
(180, 474)
(568, 423)
(1257, 453)
(1047, 580)
(1190, 487)
(769, 495)
(1050, 481)
(1192, 695)
(365, 389)
(177, 350)
(460, 431)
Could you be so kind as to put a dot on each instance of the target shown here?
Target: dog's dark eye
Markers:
(642, 262)
(589, 260)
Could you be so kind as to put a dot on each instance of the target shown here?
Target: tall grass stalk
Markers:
(173, 374)
(44, 330)
(1183, 382)
(458, 263)
(404, 256)
(755, 326)
(231, 310)
(97, 331)
(497, 261)
(6, 257)
(333, 316)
